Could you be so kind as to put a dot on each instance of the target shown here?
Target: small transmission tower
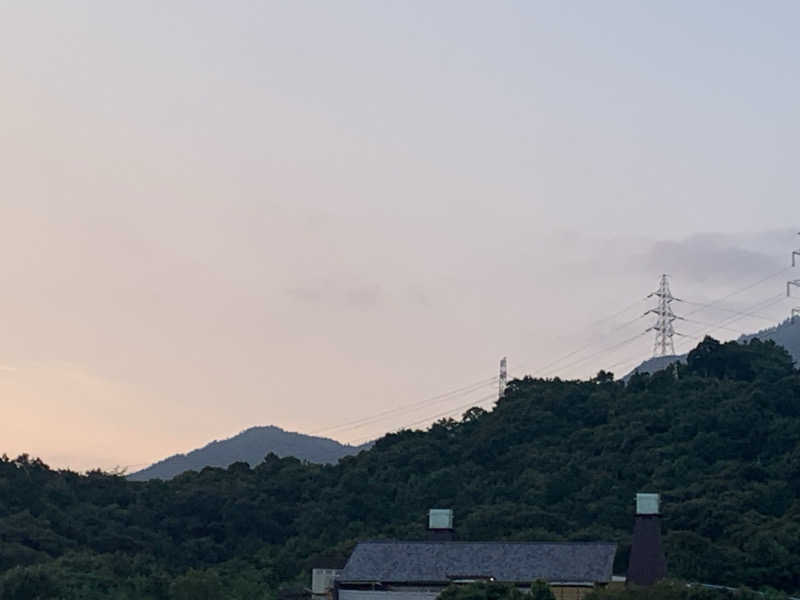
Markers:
(503, 380)
(663, 345)
(789, 285)
(795, 282)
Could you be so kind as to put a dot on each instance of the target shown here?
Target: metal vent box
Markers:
(322, 580)
(648, 504)
(440, 518)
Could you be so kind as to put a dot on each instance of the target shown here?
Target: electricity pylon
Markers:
(663, 345)
(789, 284)
(795, 282)
(795, 255)
(503, 380)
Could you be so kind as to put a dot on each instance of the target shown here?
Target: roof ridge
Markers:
(435, 561)
(498, 542)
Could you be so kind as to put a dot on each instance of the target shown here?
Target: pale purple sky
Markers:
(218, 215)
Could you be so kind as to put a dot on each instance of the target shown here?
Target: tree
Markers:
(29, 583)
(482, 590)
(541, 591)
(197, 585)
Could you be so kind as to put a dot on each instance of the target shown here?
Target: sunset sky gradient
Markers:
(223, 214)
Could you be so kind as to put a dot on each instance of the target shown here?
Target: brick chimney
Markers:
(647, 563)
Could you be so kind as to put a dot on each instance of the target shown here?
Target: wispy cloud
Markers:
(360, 297)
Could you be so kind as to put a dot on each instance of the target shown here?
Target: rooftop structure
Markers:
(395, 562)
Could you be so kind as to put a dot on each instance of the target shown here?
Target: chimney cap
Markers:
(648, 504)
(440, 518)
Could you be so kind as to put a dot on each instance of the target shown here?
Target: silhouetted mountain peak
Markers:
(250, 446)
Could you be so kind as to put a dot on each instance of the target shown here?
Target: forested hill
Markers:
(786, 334)
(555, 460)
(250, 446)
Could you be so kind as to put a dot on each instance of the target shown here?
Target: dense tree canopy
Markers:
(719, 438)
(680, 590)
(493, 590)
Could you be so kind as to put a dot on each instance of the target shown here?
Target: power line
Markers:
(771, 301)
(721, 299)
(368, 420)
(594, 324)
(616, 314)
(728, 310)
(357, 423)
(393, 412)
(722, 324)
(449, 412)
(763, 304)
(549, 366)
(622, 326)
(603, 351)
(636, 359)
(744, 289)
(712, 325)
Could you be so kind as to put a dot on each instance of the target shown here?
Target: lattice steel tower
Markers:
(503, 379)
(663, 345)
(795, 255)
(795, 282)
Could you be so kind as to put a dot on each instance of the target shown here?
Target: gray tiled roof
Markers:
(395, 562)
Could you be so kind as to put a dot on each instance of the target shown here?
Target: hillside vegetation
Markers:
(250, 446)
(785, 334)
(719, 437)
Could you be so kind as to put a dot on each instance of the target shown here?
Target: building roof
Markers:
(440, 562)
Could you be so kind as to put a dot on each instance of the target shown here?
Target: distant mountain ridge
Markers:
(250, 446)
(253, 444)
(786, 334)
(553, 460)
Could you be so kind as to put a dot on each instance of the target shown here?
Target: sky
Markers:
(220, 215)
